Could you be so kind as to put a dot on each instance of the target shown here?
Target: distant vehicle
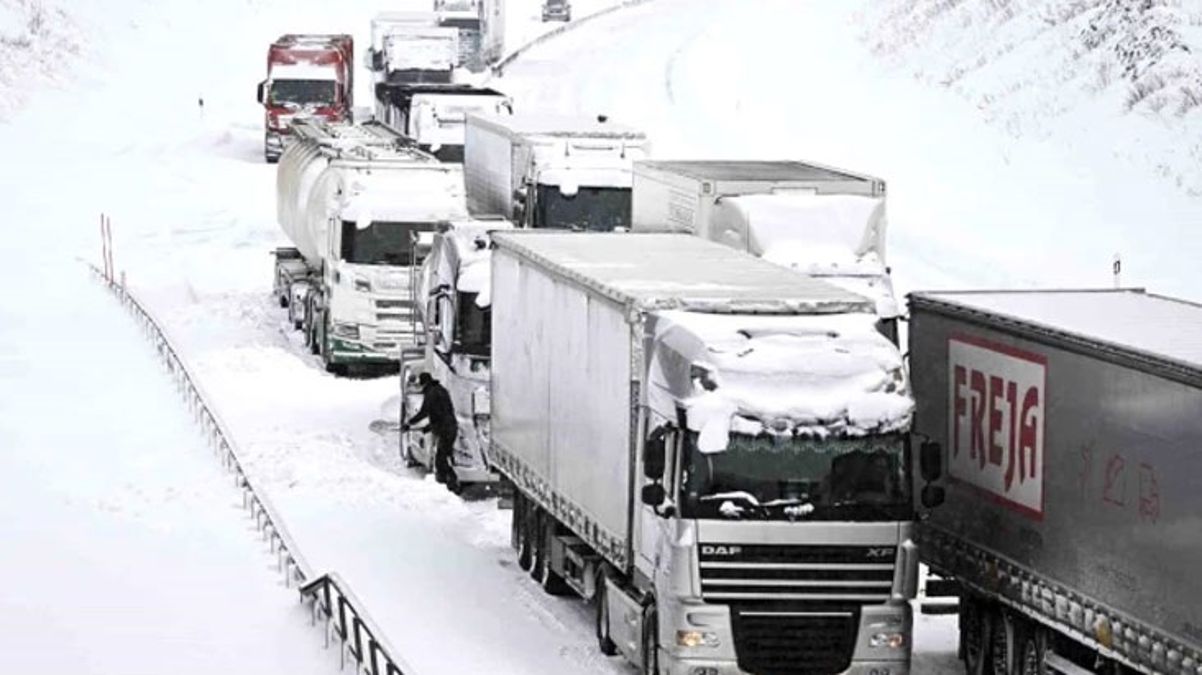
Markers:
(452, 296)
(557, 10)
(353, 199)
(710, 447)
(492, 30)
(412, 47)
(1070, 431)
(548, 171)
(464, 16)
(308, 76)
(435, 115)
(821, 221)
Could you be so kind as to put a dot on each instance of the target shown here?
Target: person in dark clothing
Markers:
(438, 409)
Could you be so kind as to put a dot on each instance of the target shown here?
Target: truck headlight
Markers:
(887, 641)
(347, 330)
(362, 284)
(696, 638)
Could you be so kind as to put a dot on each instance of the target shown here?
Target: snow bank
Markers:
(812, 375)
(1028, 63)
(39, 40)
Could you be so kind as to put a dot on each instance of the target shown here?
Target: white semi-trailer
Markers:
(412, 47)
(352, 200)
(435, 115)
(822, 221)
(1072, 442)
(710, 447)
(452, 297)
(548, 171)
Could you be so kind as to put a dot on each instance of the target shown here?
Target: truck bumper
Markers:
(347, 351)
(673, 666)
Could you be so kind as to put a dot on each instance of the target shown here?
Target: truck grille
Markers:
(780, 642)
(795, 610)
(814, 575)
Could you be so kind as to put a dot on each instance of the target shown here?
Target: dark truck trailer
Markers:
(1071, 432)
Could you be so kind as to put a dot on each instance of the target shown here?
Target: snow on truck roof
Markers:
(1129, 319)
(557, 125)
(681, 271)
(738, 170)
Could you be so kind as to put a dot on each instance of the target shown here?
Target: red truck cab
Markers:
(307, 76)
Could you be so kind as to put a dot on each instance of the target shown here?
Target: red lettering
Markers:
(996, 389)
(1028, 461)
(1011, 432)
(961, 377)
(977, 423)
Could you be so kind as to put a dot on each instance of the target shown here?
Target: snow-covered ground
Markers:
(120, 131)
(126, 549)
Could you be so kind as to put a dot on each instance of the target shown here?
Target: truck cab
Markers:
(308, 77)
(760, 526)
(453, 297)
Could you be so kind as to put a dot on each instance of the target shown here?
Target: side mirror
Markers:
(261, 92)
(930, 461)
(654, 454)
(654, 494)
(932, 496)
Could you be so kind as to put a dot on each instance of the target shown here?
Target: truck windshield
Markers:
(771, 477)
(473, 328)
(381, 243)
(302, 92)
(599, 209)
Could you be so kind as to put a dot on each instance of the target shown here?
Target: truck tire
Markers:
(550, 580)
(1033, 645)
(650, 660)
(522, 521)
(604, 642)
(1003, 644)
(975, 627)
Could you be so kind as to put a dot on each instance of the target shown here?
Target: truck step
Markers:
(939, 608)
(943, 588)
(1058, 665)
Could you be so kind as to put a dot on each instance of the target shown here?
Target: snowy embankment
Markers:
(1038, 68)
(38, 43)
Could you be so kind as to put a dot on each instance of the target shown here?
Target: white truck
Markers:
(352, 198)
(818, 220)
(412, 47)
(452, 297)
(435, 115)
(492, 30)
(710, 447)
(463, 16)
(548, 171)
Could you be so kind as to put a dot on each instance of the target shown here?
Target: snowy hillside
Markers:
(1041, 67)
(39, 42)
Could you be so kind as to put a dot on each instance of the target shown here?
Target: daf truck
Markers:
(551, 171)
(819, 220)
(435, 115)
(453, 298)
(709, 447)
(352, 198)
(308, 76)
(1069, 454)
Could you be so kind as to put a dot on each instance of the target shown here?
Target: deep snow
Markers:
(193, 208)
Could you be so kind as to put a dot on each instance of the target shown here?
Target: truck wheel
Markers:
(1031, 654)
(543, 573)
(975, 635)
(522, 521)
(650, 664)
(604, 642)
(1003, 644)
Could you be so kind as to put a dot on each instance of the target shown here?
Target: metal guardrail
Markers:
(499, 67)
(330, 598)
